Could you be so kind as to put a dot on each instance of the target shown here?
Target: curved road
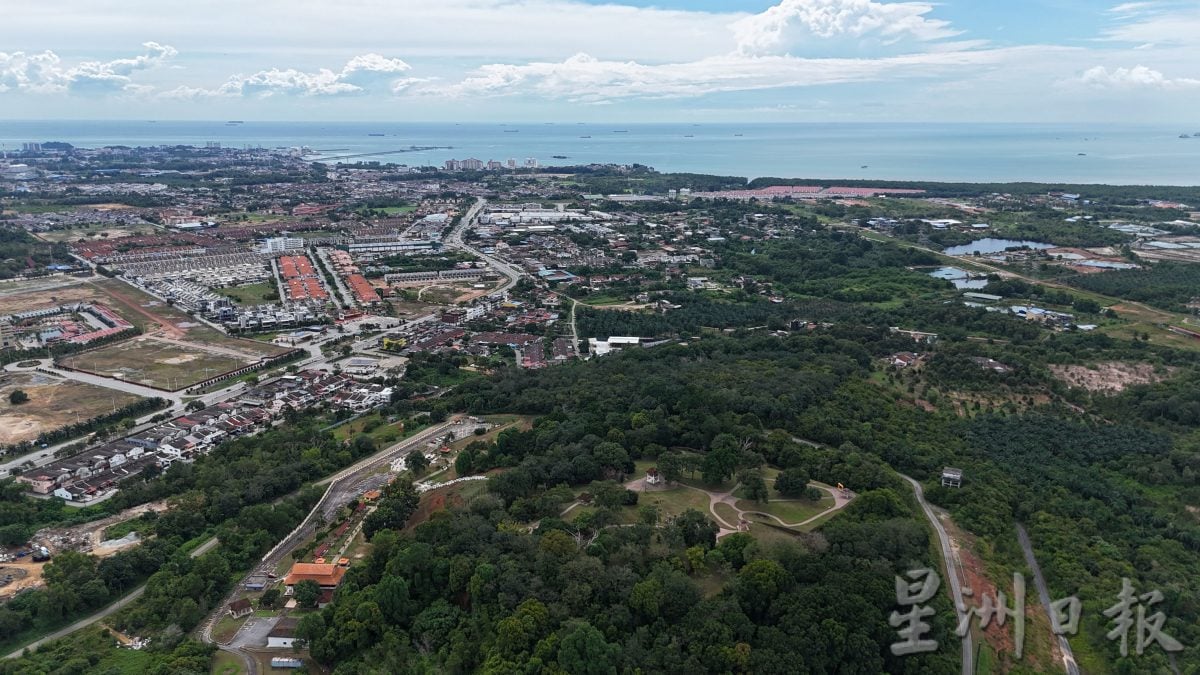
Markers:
(118, 605)
(968, 647)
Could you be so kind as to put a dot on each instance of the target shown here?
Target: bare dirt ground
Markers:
(25, 575)
(88, 536)
(53, 403)
(22, 296)
(1111, 377)
(1001, 639)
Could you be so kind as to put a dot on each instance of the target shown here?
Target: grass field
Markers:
(675, 501)
(789, 511)
(226, 628)
(727, 513)
(145, 360)
(225, 663)
(53, 403)
(250, 294)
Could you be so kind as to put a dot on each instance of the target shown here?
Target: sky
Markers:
(591, 60)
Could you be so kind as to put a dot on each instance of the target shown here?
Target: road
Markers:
(574, 329)
(343, 486)
(949, 573)
(455, 240)
(1044, 594)
(44, 456)
(118, 605)
(322, 255)
(87, 378)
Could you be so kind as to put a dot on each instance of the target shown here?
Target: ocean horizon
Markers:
(951, 152)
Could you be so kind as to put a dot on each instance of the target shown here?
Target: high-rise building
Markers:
(278, 245)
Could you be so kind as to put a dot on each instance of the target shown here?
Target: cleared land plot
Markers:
(149, 361)
(145, 311)
(53, 403)
(1110, 377)
(98, 231)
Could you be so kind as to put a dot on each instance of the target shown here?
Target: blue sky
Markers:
(631, 60)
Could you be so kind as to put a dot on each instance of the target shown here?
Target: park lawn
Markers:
(674, 502)
(793, 511)
(250, 294)
(764, 533)
(727, 513)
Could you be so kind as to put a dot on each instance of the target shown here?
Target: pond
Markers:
(990, 245)
(960, 278)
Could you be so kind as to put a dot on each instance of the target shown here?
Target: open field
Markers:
(53, 403)
(250, 294)
(158, 363)
(97, 231)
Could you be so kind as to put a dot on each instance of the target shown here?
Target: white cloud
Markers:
(583, 78)
(478, 30)
(1138, 77)
(45, 72)
(360, 75)
(1155, 23)
(1129, 8)
(791, 22)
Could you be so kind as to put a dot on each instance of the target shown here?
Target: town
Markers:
(163, 308)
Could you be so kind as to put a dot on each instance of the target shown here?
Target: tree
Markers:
(18, 396)
(416, 462)
(307, 592)
(584, 651)
(754, 485)
(195, 404)
(695, 529)
(721, 461)
(269, 598)
(399, 501)
(791, 482)
(670, 465)
(608, 495)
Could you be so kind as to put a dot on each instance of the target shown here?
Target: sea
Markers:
(1061, 153)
